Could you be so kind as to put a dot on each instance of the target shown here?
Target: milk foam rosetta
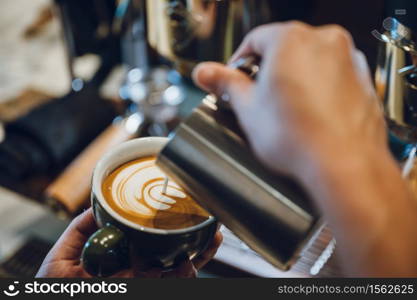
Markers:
(134, 191)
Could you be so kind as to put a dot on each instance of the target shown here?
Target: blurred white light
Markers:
(173, 95)
(138, 92)
(77, 84)
(135, 75)
(133, 123)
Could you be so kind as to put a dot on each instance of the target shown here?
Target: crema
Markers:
(134, 191)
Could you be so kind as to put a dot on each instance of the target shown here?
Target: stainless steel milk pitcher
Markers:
(210, 158)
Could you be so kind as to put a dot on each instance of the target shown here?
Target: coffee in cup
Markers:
(137, 192)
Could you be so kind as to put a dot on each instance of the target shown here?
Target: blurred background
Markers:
(80, 76)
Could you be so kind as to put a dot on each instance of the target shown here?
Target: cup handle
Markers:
(106, 252)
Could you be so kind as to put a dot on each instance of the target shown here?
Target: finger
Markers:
(366, 80)
(220, 80)
(264, 38)
(152, 273)
(233, 84)
(134, 273)
(71, 242)
(362, 66)
(201, 260)
(335, 33)
(185, 270)
(124, 274)
(339, 37)
(80, 229)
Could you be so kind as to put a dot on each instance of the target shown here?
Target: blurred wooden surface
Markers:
(72, 188)
(16, 107)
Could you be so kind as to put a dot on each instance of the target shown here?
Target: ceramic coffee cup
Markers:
(110, 249)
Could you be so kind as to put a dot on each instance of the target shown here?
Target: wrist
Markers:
(349, 184)
(372, 214)
(345, 162)
(358, 190)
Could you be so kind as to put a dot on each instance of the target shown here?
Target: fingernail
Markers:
(233, 59)
(207, 68)
(204, 75)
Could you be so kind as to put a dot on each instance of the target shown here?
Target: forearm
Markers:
(371, 211)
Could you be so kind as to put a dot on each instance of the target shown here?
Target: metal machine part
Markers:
(188, 32)
(154, 96)
(396, 79)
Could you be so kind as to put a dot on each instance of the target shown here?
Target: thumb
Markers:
(221, 80)
(70, 244)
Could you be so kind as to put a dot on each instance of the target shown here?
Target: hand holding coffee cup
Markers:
(136, 219)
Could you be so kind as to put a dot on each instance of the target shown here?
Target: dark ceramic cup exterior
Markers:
(118, 241)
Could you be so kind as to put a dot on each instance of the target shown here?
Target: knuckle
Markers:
(297, 26)
(261, 29)
(293, 26)
(77, 219)
(294, 33)
(297, 29)
(339, 36)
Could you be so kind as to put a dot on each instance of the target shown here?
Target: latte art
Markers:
(134, 191)
(143, 181)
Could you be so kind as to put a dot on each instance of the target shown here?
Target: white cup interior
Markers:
(124, 153)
